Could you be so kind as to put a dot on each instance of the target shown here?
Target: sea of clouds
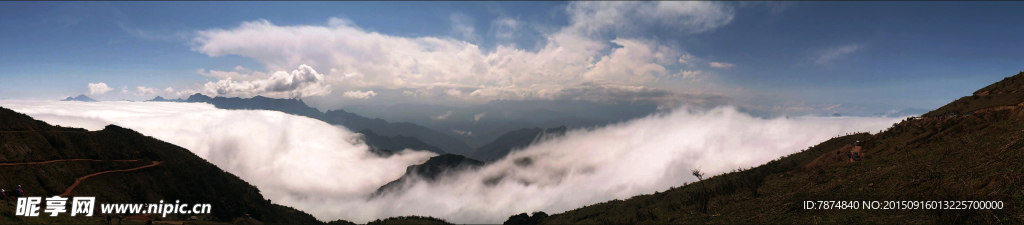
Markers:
(328, 171)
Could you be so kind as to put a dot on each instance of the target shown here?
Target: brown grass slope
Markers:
(1008, 92)
(970, 149)
(181, 175)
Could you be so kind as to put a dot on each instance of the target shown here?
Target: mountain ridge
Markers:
(430, 171)
(174, 172)
(515, 140)
(80, 98)
(435, 141)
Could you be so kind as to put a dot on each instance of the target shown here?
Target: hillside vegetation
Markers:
(970, 149)
(46, 160)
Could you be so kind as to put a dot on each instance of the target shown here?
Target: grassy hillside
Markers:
(1008, 92)
(179, 175)
(970, 149)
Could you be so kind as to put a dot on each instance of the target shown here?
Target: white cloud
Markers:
(239, 68)
(124, 89)
(443, 116)
(461, 132)
(145, 91)
(575, 54)
(359, 94)
(636, 62)
(299, 83)
(720, 65)
(831, 54)
(308, 157)
(477, 117)
(98, 88)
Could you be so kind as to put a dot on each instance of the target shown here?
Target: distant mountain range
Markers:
(481, 124)
(515, 140)
(507, 128)
(431, 170)
(80, 98)
(396, 143)
(384, 135)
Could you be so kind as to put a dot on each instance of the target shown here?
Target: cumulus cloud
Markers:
(720, 65)
(334, 173)
(829, 55)
(298, 83)
(144, 91)
(594, 47)
(636, 62)
(98, 88)
(443, 116)
(359, 94)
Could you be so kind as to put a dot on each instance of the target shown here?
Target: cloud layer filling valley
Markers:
(327, 171)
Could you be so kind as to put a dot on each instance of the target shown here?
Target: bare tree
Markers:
(704, 196)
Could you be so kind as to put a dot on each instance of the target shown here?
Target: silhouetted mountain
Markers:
(401, 132)
(396, 143)
(523, 219)
(399, 220)
(495, 118)
(969, 149)
(515, 140)
(81, 98)
(431, 170)
(162, 99)
(290, 106)
(140, 169)
(384, 128)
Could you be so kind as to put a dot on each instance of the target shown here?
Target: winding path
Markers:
(67, 192)
(79, 180)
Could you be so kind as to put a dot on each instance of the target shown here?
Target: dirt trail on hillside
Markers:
(80, 179)
(65, 160)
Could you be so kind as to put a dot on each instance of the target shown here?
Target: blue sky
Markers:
(802, 57)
